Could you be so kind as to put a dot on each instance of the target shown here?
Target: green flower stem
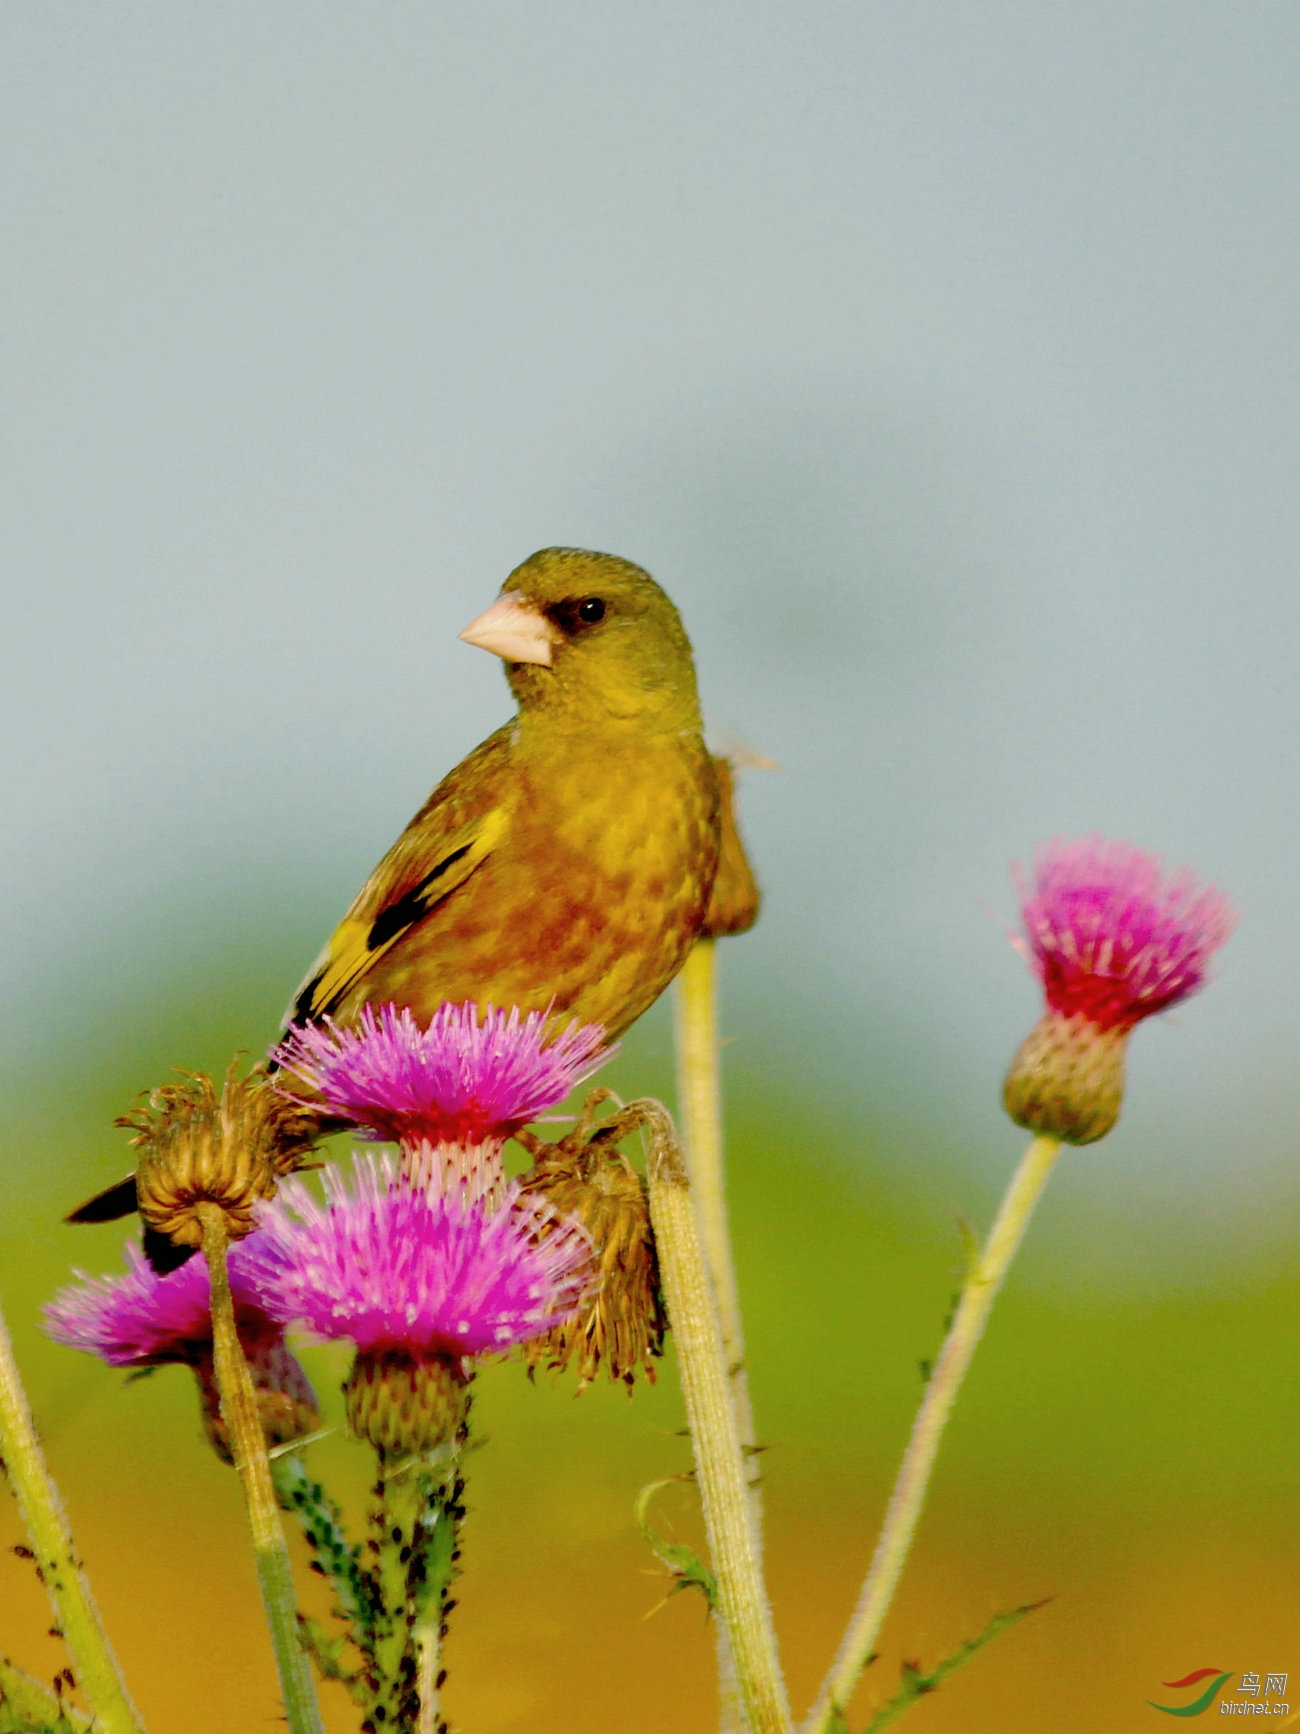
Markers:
(395, 1524)
(248, 1447)
(977, 1297)
(719, 1460)
(65, 1582)
(428, 1655)
(699, 1094)
(699, 1099)
(441, 1528)
(414, 1524)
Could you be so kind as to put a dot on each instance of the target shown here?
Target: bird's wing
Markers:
(453, 833)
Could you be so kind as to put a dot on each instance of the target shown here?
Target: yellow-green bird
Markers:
(568, 861)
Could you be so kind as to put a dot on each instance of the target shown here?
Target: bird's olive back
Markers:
(620, 648)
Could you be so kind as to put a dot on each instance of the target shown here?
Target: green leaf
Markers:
(684, 1565)
(326, 1652)
(28, 1707)
(916, 1683)
(442, 1511)
(321, 1519)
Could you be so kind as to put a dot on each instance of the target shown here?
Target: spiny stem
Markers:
(720, 1468)
(60, 1568)
(413, 1548)
(440, 1551)
(248, 1447)
(321, 1521)
(699, 1099)
(400, 1492)
(428, 1653)
(977, 1297)
(699, 1091)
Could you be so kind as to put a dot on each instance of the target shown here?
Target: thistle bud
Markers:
(404, 1405)
(1067, 1081)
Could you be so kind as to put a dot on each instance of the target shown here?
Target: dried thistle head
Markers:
(195, 1147)
(621, 1324)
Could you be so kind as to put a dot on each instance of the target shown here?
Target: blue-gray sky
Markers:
(940, 360)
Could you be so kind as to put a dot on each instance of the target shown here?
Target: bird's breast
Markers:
(591, 899)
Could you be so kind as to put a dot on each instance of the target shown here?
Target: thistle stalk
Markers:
(413, 1548)
(699, 1092)
(978, 1294)
(442, 1529)
(699, 1097)
(248, 1447)
(60, 1567)
(720, 1468)
(399, 1502)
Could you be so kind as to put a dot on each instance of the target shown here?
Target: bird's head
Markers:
(591, 636)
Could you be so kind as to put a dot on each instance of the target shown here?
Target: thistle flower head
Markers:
(403, 1269)
(145, 1320)
(464, 1080)
(1113, 941)
(142, 1319)
(1111, 938)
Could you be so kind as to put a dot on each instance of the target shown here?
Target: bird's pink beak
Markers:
(513, 630)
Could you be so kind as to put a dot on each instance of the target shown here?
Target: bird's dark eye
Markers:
(590, 610)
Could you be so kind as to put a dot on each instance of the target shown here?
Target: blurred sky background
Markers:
(940, 361)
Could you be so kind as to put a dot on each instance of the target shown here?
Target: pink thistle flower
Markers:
(464, 1083)
(1113, 941)
(419, 1279)
(1111, 938)
(142, 1319)
(391, 1266)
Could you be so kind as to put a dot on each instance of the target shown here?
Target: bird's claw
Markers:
(589, 1135)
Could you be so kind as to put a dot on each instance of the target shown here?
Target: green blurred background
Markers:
(941, 361)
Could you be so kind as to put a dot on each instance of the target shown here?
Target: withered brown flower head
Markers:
(621, 1326)
(196, 1147)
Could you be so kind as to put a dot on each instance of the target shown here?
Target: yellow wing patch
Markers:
(397, 895)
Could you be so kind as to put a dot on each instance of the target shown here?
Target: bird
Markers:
(566, 865)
